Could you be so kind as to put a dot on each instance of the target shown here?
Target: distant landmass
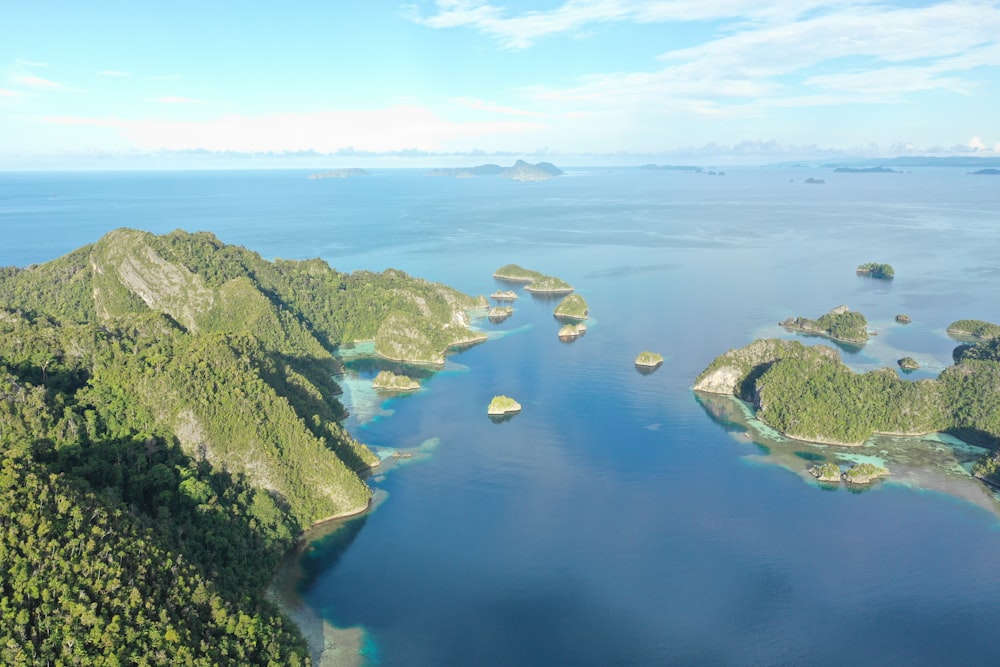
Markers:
(986, 172)
(912, 161)
(686, 168)
(866, 170)
(520, 171)
(339, 173)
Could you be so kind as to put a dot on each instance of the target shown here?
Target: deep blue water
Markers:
(614, 521)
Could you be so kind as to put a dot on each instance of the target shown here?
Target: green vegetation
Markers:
(826, 472)
(808, 393)
(908, 364)
(572, 307)
(390, 381)
(864, 473)
(977, 329)
(504, 295)
(499, 313)
(903, 318)
(839, 324)
(502, 405)
(876, 270)
(649, 359)
(168, 426)
(537, 282)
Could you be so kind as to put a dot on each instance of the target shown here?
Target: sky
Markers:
(385, 82)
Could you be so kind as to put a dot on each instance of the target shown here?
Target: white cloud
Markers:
(113, 73)
(476, 104)
(38, 83)
(176, 99)
(374, 130)
(573, 16)
(29, 63)
(6, 94)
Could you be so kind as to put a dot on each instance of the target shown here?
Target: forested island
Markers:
(503, 405)
(974, 329)
(570, 332)
(866, 170)
(389, 381)
(647, 359)
(877, 270)
(808, 393)
(573, 308)
(169, 426)
(839, 324)
(536, 282)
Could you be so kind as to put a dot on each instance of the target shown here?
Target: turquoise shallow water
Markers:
(615, 520)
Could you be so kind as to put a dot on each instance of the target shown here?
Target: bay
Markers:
(619, 519)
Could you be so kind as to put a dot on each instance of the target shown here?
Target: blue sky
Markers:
(591, 81)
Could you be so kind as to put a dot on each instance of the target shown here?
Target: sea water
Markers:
(620, 518)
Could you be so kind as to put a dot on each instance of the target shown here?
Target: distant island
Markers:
(390, 381)
(339, 173)
(503, 405)
(976, 329)
(866, 170)
(876, 270)
(672, 167)
(903, 318)
(520, 171)
(573, 307)
(536, 282)
(647, 359)
(985, 172)
(839, 324)
(908, 364)
(814, 181)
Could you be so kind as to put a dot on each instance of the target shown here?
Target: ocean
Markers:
(620, 518)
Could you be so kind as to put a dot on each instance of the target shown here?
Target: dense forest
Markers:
(169, 424)
(809, 393)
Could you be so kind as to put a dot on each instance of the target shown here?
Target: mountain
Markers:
(169, 400)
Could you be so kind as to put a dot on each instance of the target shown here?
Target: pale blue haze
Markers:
(614, 521)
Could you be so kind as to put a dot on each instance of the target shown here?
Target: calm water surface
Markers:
(617, 519)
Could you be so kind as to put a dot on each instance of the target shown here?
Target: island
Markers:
(503, 405)
(808, 393)
(647, 359)
(498, 314)
(171, 425)
(876, 270)
(864, 473)
(985, 172)
(389, 381)
(519, 171)
(973, 329)
(537, 283)
(570, 332)
(908, 364)
(339, 173)
(572, 308)
(672, 167)
(903, 318)
(826, 472)
(814, 181)
(866, 170)
(504, 295)
(839, 324)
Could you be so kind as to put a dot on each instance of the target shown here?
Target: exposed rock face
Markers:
(726, 373)
(498, 314)
(648, 359)
(504, 295)
(903, 318)
(503, 405)
(908, 364)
